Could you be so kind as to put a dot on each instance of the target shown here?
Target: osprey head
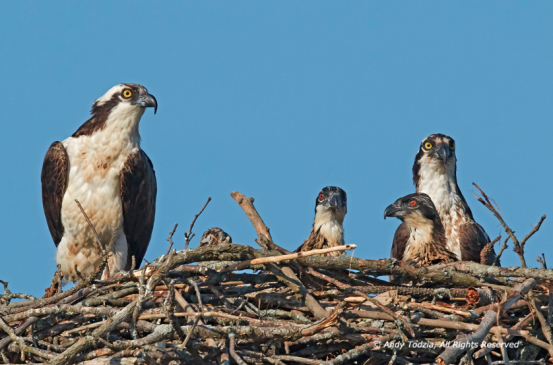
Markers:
(332, 200)
(412, 209)
(130, 96)
(436, 154)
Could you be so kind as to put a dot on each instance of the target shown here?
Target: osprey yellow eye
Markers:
(428, 145)
(127, 93)
(452, 146)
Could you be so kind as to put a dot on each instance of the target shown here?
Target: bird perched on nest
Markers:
(435, 174)
(215, 236)
(102, 166)
(427, 243)
(330, 210)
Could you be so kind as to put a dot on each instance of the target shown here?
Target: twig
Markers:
(263, 232)
(276, 259)
(188, 236)
(170, 238)
(233, 353)
(519, 246)
(498, 256)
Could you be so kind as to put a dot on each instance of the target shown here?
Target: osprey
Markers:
(435, 174)
(330, 210)
(427, 243)
(102, 166)
(215, 236)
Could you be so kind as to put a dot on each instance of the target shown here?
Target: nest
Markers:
(227, 303)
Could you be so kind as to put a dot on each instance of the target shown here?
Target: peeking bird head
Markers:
(414, 209)
(215, 236)
(332, 200)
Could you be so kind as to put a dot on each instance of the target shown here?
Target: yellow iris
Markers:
(452, 146)
(127, 93)
(428, 145)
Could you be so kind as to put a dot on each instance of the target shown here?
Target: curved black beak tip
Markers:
(147, 101)
(390, 211)
(155, 103)
(443, 153)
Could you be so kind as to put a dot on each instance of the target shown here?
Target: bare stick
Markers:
(534, 230)
(233, 353)
(188, 236)
(170, 238)
(503, 247)
(276, 259)
(265, 239)
(91, 226)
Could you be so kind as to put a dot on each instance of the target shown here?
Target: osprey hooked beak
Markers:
(443, 153)
(147, 101)
(394, 210)
(335, 202)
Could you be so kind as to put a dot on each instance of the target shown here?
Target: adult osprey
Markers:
(102, 166)
(435, 174)
(330, 210)
(427, 243)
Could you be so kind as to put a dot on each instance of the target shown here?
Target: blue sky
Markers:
(277, 100)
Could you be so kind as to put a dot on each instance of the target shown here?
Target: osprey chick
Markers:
(102, 166)
(330, 210)
(215, 236)
(427, 243)
(435, 174)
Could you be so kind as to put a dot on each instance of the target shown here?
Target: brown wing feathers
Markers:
(54, 182)
(138, 197)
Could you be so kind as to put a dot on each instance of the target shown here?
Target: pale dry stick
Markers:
(21, 342)
(266, 242)
(170, 238)
(445, 309)
(546, 328)
(408, 326)
(452, 353)
(277, 259)
(188, 236)
(189, 334)
(521, 324)
(184, 304)
(233, 353)
(265, 239)
(91, 226)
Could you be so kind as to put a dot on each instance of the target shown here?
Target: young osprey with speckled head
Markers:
(330, 210)
(427, 243)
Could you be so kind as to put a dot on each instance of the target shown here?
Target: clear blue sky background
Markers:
(277, 100)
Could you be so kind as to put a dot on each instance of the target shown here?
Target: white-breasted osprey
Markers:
(427, 244)
(435, 174)
(330, 210)
(102, 166)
